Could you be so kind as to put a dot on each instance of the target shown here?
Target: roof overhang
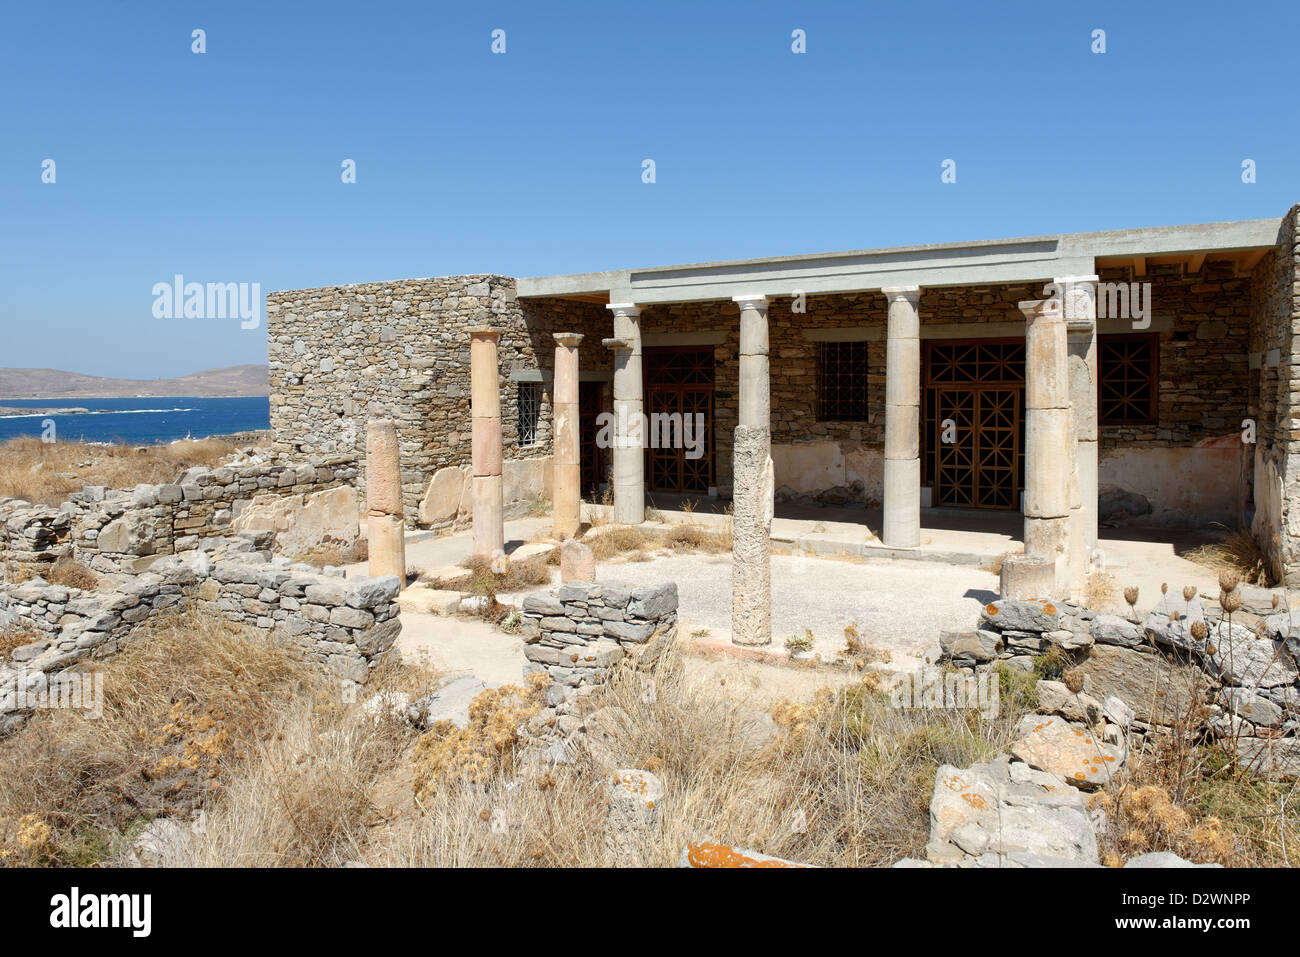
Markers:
(948, 264)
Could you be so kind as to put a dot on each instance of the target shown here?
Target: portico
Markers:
(962, 375)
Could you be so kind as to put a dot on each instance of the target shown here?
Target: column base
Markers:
(1025, 578)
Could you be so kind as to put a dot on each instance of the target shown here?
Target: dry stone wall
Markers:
(580, 631)
(112, 530)
(346, 625)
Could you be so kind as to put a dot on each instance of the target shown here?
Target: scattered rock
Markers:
(1075, 754)
(450, 702)
(1011, 615)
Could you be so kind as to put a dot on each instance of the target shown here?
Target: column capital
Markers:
(617, 345)
(1049, 309)
(902, 293)
(629, 310)
(754, 300)
(1074, 280)
(567, 339)
(484, 332)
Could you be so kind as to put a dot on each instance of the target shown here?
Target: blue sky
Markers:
(225, 166)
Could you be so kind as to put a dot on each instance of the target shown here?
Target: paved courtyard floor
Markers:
(898, 604)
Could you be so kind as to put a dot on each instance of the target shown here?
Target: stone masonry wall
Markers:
(1203, 380)
(342, 354)
(581, 631)
(347, 625)
(1275, 322)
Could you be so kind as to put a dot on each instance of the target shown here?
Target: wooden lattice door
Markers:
(974, 427)
(978, 468)
(679, 385)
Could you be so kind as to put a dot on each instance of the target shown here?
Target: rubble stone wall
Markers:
(581, 631)
(112, 530)
(340, 355)
(347, 625)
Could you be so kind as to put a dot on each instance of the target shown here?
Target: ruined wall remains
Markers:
(346, 625)
(582, 630)
(340, 355)
(1275, 378)
(112, 530)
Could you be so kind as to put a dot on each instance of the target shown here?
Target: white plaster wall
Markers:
(1187, 487)
(814, 467)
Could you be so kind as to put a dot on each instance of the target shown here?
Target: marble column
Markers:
(1079, 301)
(566, 495)
(752, 483)
(1048, 461)
(385, 522)
(485, 410)
(629, 447)
(901, 527)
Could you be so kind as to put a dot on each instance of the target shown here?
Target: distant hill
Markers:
(230, 382)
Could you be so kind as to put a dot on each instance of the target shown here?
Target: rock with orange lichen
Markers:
(707, 854)
(1004, 808)
(632, 820)
(1011, 615)
(1071, 752)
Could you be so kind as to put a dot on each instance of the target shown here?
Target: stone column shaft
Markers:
(629, 450)
(1048, 462)
(1079, 296)
(385, 522)
(901, 527)
(485, 411)
(566, 497)
(753, 487)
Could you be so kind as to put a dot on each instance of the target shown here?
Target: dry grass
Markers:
(634, 543)
(184, 705)
(46, 473)
(11, 638)
(200, 717)
(843, 780)
(1236, 552)
(72, 574)
(517, 577)
(288, 774)
(1103, 591)
(1198, 804)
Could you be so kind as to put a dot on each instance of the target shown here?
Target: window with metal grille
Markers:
(1128, 378)
(842, 382)
(529, 409)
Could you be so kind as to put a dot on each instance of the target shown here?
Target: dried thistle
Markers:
(1164, 588)
(1189, 592)
(1199, 630)
(1275, 600)
(1230, 601)
(1074, 680)
(1228, 580)
(1131, 595)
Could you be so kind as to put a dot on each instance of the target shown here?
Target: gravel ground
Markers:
(897, 605)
